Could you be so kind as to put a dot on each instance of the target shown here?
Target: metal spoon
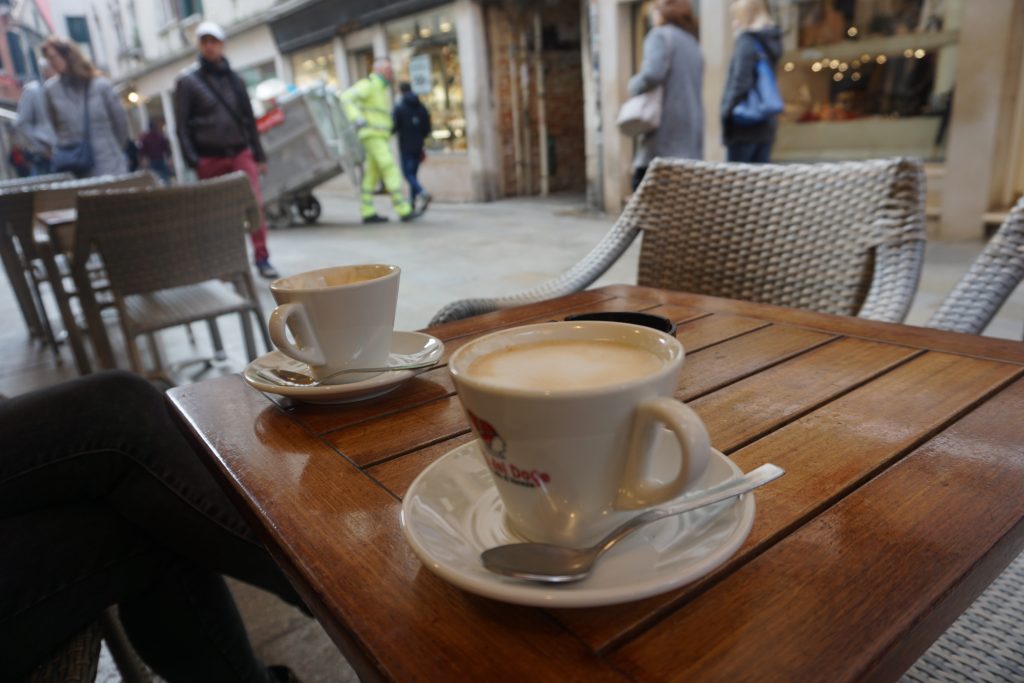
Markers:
(555, 564)
(299, 379)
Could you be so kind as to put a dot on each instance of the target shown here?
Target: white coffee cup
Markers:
(341, 318)
(567, 415)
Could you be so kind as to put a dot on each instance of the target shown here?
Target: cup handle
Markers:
(637, 489)
(310, 353)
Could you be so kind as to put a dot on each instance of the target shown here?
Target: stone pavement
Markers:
(454, 251)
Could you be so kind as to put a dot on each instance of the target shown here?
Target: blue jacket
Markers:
(412, 124)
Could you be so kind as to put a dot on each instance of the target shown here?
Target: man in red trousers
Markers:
(216, 126)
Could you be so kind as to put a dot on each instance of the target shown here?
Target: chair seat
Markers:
(180, 305)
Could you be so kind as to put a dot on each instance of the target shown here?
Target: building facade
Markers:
(523, 94)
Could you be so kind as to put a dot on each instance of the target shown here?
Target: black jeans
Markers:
(749, 152)
(102, 502)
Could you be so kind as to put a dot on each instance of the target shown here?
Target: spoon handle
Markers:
(734, 487)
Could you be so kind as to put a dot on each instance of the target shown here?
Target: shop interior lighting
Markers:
(881, 59)
(425, 32)
(908, 53)
(834, 64)
(855, 76)
(133, 97)
(865, 57)
(837, 76)
(844, 66)
(407, 38)
(855, 64)
(789, 66)
(446, 26)
(852, 31)
(919, 53)
(816, 67)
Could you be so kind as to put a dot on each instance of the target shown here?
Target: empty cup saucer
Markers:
(403, 344)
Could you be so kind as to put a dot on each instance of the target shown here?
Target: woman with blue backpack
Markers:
(751, 102)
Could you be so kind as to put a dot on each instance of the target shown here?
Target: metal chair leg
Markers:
(219, 354)
(250, 341)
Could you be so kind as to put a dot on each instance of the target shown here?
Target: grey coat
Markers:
(672, 58)
(108, 124)
(33, 123)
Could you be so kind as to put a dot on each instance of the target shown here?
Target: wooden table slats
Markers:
(903, 498)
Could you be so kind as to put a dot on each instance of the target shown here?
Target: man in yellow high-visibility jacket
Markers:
(368, 105)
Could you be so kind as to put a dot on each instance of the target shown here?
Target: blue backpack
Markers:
(763, 100)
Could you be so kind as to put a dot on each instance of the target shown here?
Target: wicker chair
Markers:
(15, 218)
(169, 254)
(18, 206)
(845, 238)
(990, 280)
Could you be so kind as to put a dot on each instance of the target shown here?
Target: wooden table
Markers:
(903, 500)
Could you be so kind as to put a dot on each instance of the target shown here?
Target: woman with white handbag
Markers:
(665, 107)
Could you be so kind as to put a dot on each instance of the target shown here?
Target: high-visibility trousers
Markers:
(380, 165)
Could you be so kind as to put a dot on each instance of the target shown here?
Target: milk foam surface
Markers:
(565, 365)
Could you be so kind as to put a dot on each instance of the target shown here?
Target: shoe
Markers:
(267, 271)
(425, 198)
(374, 219)
(411, 216)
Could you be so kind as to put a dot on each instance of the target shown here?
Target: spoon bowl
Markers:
(547, 563)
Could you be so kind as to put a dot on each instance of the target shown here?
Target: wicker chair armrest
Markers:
(990, 280)
(577, 278)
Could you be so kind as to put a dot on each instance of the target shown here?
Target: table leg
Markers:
(66, 314)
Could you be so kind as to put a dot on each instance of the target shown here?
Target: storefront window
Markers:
(254, 75)
(314, 66)
(424, 52)
(881, 71)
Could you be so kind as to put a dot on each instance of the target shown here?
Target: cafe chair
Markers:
(986, 643)
(77, 660)
(21, 263)
(845, 238)
(989, 282)
(28, 268)
(174, 255)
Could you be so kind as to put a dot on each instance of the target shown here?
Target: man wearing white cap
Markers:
(216, 126)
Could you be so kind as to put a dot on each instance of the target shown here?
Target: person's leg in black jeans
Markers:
(103, 501)
(749, 152)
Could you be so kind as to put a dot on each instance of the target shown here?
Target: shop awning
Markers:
(315, 22)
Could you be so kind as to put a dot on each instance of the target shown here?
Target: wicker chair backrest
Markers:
(157, 238)
(799, 235)
(64, 195)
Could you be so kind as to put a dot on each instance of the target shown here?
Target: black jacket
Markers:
(213, 113)
(412, 123)
(742, 70)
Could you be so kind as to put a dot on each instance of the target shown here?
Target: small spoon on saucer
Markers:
(300, 379)
(549, 563)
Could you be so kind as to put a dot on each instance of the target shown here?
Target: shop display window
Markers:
(315, 66)
(888, 64)
(424, 52)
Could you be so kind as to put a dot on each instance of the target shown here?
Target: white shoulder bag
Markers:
(642, 113)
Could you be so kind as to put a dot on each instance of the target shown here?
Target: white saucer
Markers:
(402, 343)
(452, 513)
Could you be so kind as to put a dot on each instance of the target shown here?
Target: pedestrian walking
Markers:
(368, 105)
(33, 123)
(672, 60)
(90, 125)
(217, 129)
(757, 38)
(155, 150)
(412, 124)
